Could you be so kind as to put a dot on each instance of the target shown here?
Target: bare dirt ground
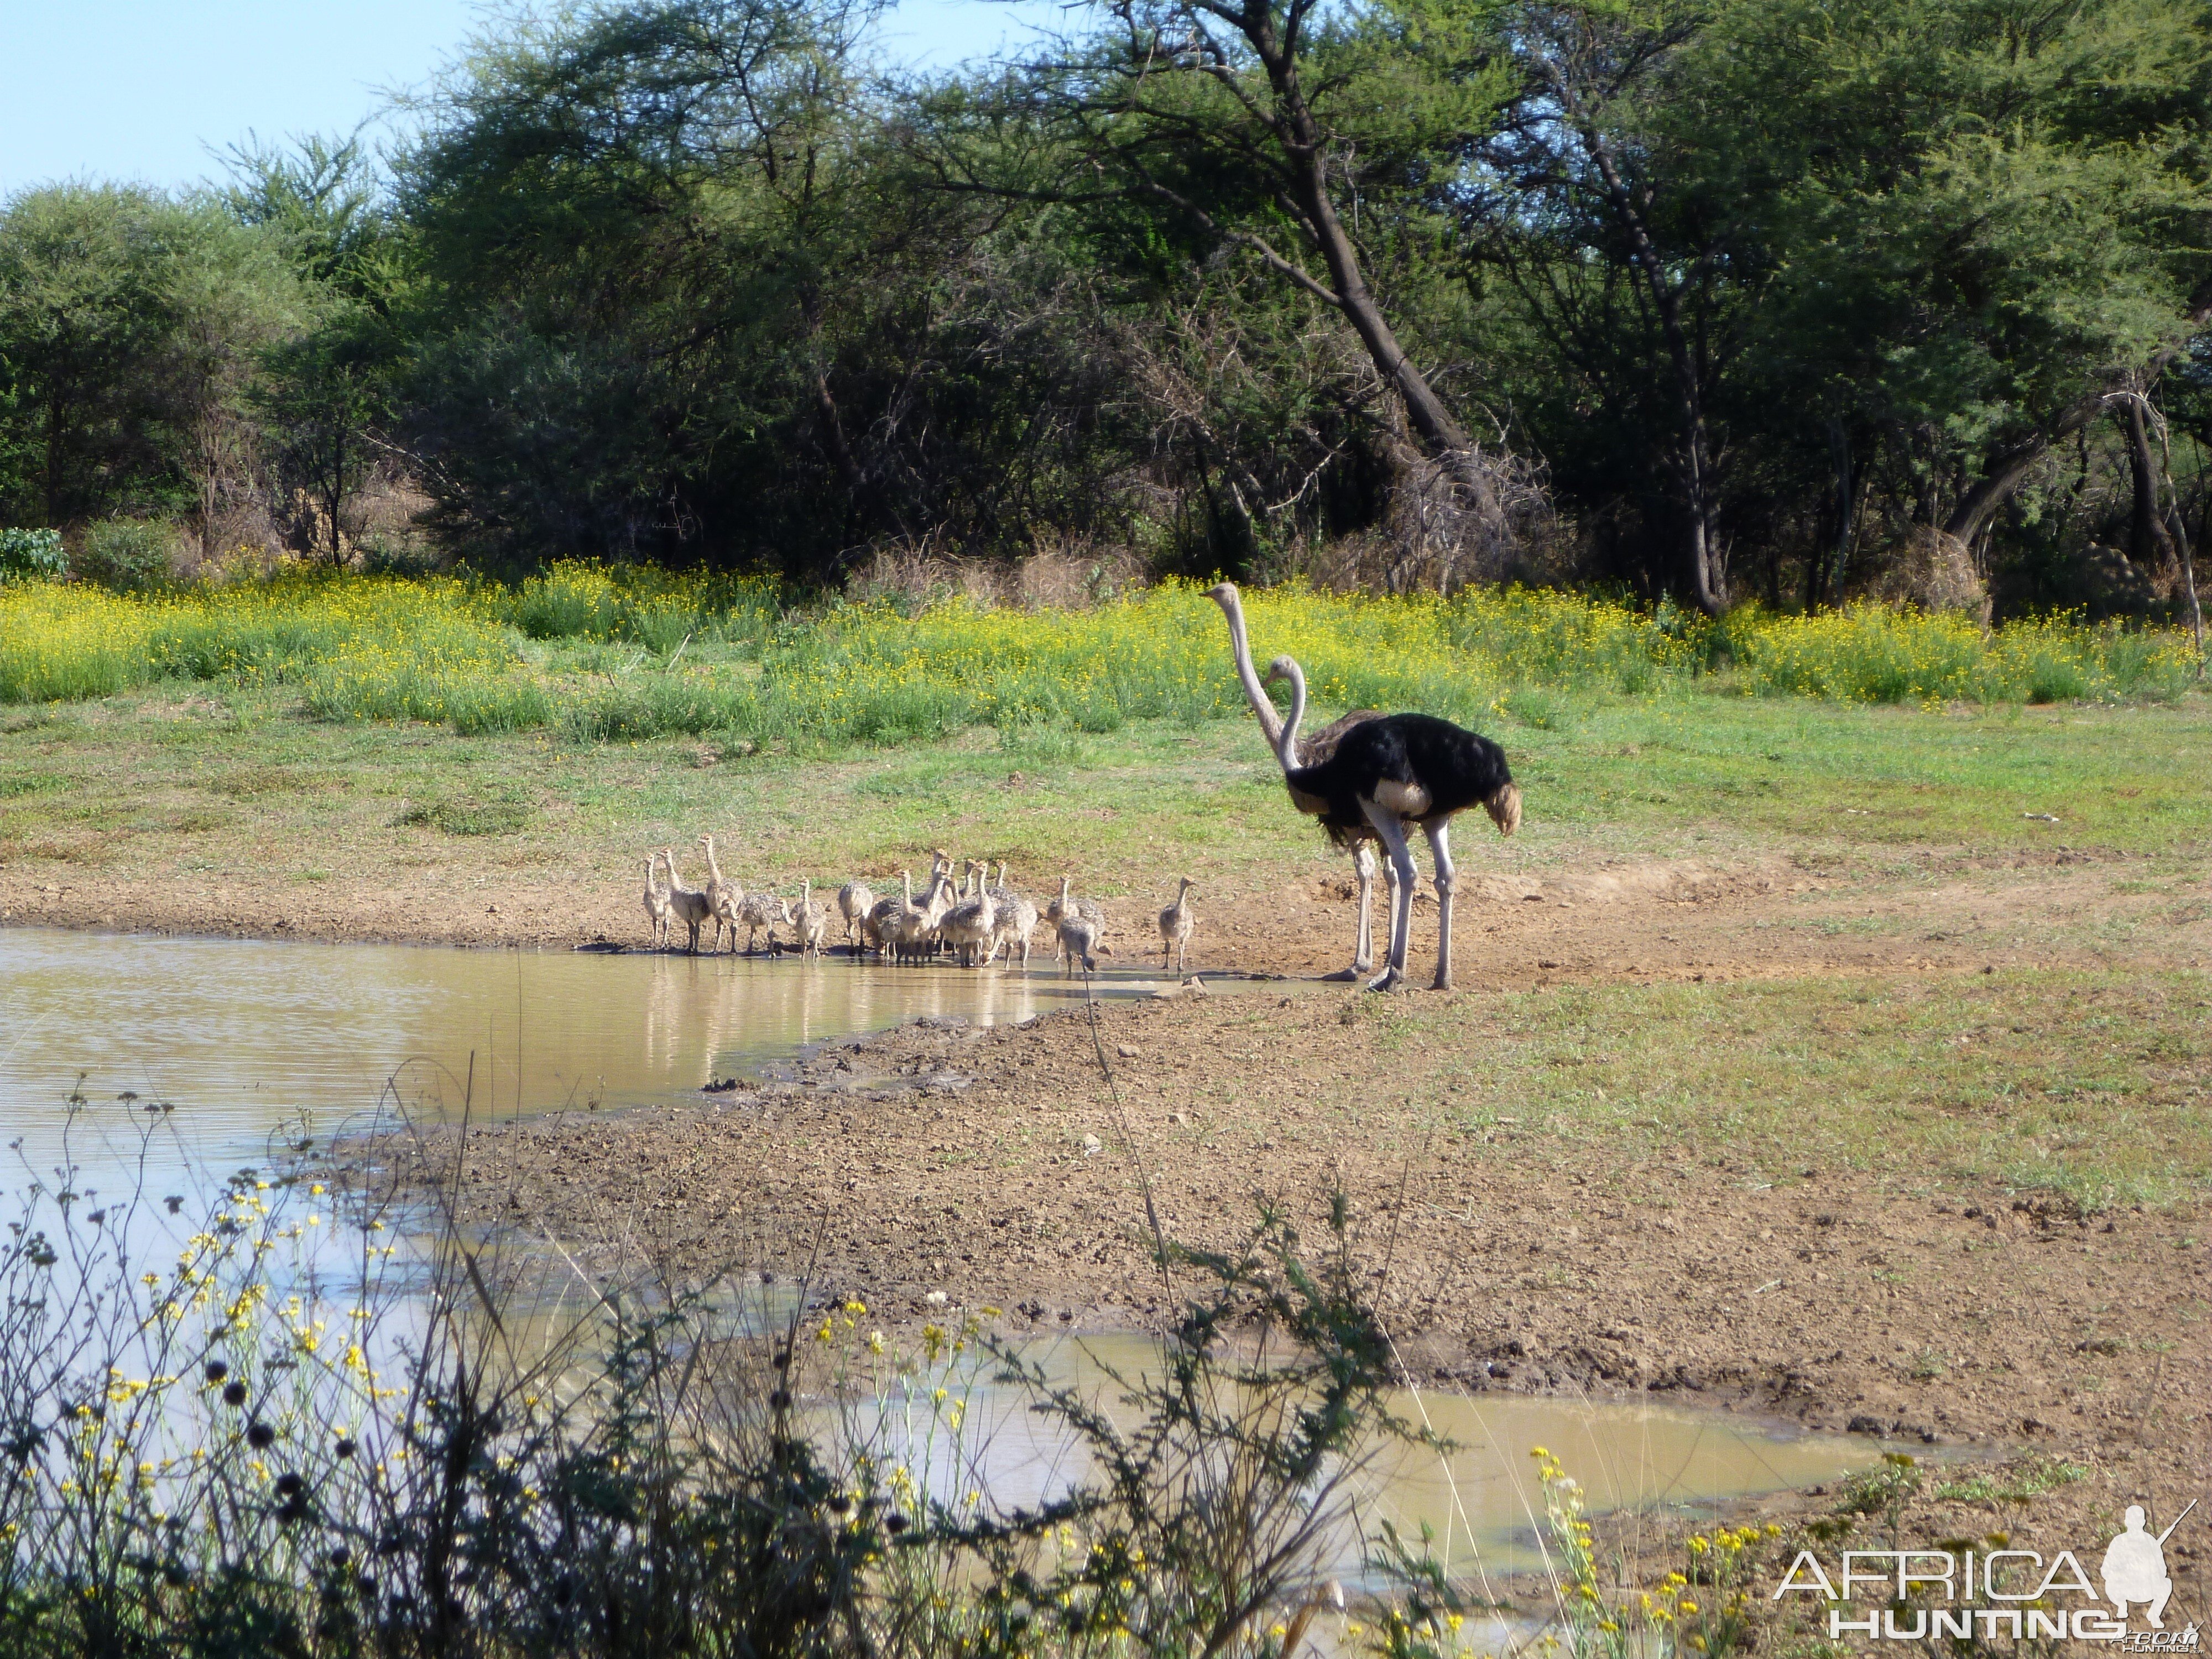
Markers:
(1649, 919)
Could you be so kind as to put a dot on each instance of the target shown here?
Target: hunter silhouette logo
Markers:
(1913, 1595)
(2135, 1567)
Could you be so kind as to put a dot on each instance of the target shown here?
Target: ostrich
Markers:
(811, 919)
(912, 934)
(970, 925)
(1356, 834)
(1391, 771)
(756, 911)
(1061, 909)
(689, 905)
(1018, 919)
(854, 901)
(885, 913)
(1176, 924)
(1079, 935)
(656, 902)
(723, 896)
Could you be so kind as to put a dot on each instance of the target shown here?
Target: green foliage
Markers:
(32, 553)
(2020, 1482)
(614, 655)
(127, 556)
(129, 327)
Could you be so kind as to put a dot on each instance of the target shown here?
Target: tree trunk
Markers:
(1829, 564)
(2010, 468)
(2188, 563)
(1305, 146)
(1694, 459)
(2147, 538)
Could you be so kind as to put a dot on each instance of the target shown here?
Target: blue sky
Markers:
(138, 89)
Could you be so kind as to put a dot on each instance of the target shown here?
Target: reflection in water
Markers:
(241, 1033)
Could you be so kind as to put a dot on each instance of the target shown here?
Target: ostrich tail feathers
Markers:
(1504, 809)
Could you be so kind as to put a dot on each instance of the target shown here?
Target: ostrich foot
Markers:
(1343, 976)
(1443, 983)
(1389, 980)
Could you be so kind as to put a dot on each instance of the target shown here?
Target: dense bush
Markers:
(1870, 275)
(129, 555)
(32, 553)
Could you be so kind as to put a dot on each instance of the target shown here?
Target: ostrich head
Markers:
(1225, 594)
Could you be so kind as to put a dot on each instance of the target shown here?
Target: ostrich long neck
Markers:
(1232, 607)
(714, 869)
(1286, 741)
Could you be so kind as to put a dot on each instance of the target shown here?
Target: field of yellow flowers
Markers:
(601, 653)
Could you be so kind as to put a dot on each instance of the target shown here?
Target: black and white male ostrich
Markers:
(1381, 773)
(1357, 837)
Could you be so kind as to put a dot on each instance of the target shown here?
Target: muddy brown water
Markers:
(241, 1037)
(1481, 1499)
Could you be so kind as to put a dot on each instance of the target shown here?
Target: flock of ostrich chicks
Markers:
(1368, 778)
(970, 923)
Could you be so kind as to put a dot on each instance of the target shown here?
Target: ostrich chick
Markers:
(689, 905)
(854, 901)
(1176, 924)
(970, 926)
(1018, 919)
(758, 911)
(1079, 938)
(656, 902)
(1064, 907)
(811, 919)
(723, 896)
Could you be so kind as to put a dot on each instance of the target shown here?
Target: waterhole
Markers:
(190, 1057)
(237, 1038)
(1479, 1499)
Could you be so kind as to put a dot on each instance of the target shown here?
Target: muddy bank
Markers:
(997, 1166)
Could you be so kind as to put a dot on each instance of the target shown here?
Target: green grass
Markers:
(2017, 1483)
(2087, 1087)
(1874, 789)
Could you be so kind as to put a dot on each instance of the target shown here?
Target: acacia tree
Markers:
(1636, 261)
(1302, 136)
(1909, 242)
(130, 326)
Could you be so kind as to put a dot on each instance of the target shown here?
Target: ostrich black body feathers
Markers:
(1416, 766)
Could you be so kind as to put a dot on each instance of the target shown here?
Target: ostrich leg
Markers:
(1401, 917)
(1362, 958)
(1440, 846)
